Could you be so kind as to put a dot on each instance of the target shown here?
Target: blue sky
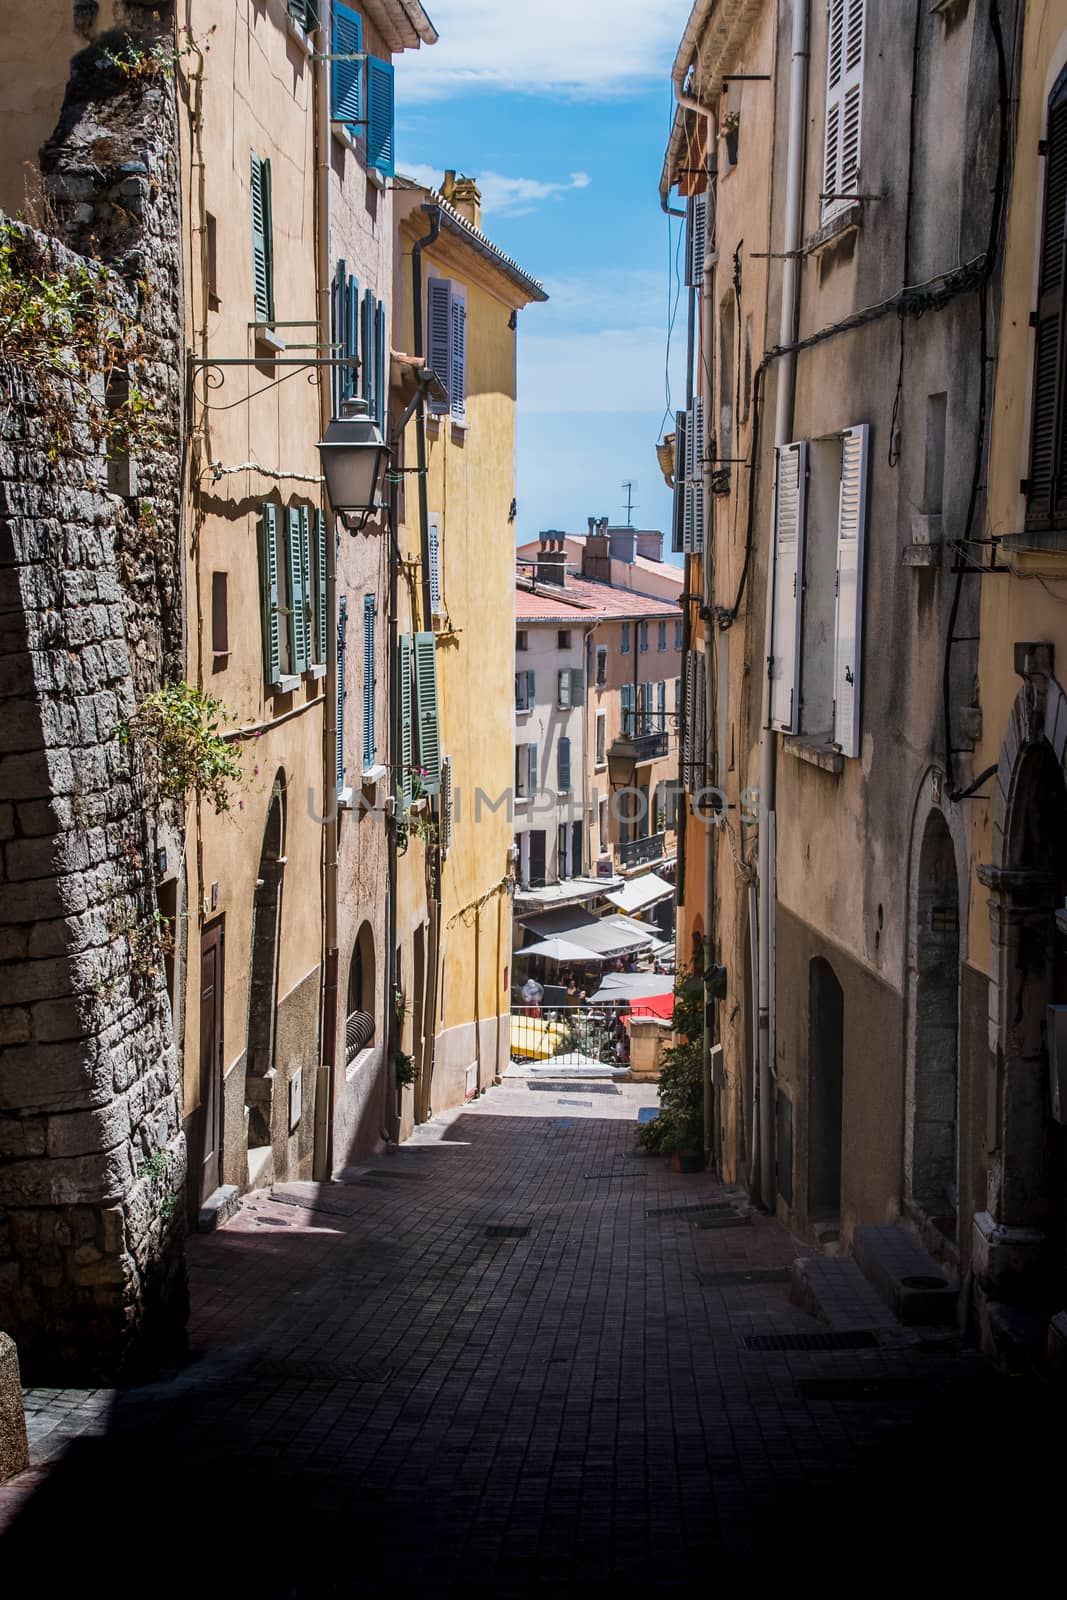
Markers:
(564, 125)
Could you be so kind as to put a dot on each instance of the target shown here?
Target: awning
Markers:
(636, 986)
(572, 891)
(640, 893)
(556, 949)
(561, 922)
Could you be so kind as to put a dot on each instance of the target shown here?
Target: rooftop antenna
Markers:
(629, 486)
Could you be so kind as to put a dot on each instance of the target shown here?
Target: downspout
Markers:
(711, 771)
(324, 1152)
(783, 428)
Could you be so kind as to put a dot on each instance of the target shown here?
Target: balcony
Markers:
(639, 852)
(649, 746)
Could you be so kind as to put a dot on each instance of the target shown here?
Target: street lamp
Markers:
(623, 757)
(353, 455)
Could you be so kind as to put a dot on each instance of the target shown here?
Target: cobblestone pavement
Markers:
(518, 1355)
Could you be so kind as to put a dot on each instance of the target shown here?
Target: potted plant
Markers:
(678, 1131)
(729, 128)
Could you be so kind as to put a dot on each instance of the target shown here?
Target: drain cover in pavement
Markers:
(831, 1340)
(587, 1088)
(589, 1176)
(499, 1231)
(712, 1280)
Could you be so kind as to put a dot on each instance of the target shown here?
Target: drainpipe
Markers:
(783, 428)
(324, 1148)
(711, 838)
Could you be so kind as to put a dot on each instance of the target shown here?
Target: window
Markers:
(627, 700)
(661, 706)
(669, 800)
(563, 639)
(305, 13)
(694, 736)
(284, 593)
(373, 368)
(1046, 487)
(602, 825)
(570, 687)
(601, 745)
(678, 635)
(220, 623)
(681, 486)
(446, 321)
(420, 737)
(562, 851)
(344, 328)
(727, 355)
(692, 488)
(678, 696)
(524, 691)
(537, 863)
(262, 241)
(520, 640)
(525, 771)
(563, 766)
(816, 634)
(212, 242)
(370, 611)
(318, 589)
(661, 638)
(342, 629)
(644, 637)
(844, 94)
(625, 646)
(601, 664)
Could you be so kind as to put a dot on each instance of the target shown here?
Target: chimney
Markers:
(650, 544)
(464, 196)
(623, 544)
(552, 561)
(596, 558)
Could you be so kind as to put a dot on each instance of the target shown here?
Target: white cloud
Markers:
(502, 196)
(582, 48)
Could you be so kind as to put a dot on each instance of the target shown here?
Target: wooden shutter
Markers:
(435, 566)
(262, 241)
(342, 646)
(458, 391)
(563, 690)
(696, 243)
(700, 723)
(439, 336)
(625, 646)
(407, 734)
(369, 367)
(305, 12)
(346, 77)
(661, 706)
(426, 707)
(790, 496)
(531, 690)
(1046, 490)
(537, 858)
(563, 765)
(627, 707)
(350, 374)
(531, 770)
(381, 386)
(446, 805)
(370, 743)
(577, 846)
(380, 141)
(320, 614)
(693, 514)
(296, 526)
(577, 686)
(337, 335)
(844, 102)
(848, 626)
(680, 498)
(268, 566)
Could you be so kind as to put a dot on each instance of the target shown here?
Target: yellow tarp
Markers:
(534, 1039)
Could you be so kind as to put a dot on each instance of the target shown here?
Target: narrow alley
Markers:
(604, 1384)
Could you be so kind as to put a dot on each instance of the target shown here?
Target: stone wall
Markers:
(92, 1156)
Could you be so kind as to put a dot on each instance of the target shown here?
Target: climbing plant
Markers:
(177, 732)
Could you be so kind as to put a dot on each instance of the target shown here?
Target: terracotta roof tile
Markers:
(585, 600)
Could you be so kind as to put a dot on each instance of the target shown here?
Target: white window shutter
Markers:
(435, 566)
(848, 624)
(844, 102)
(446, 805)
(563, 691)
(687, 492)
(439, 337)
(790, 495)
(693, 524)
(696, 240)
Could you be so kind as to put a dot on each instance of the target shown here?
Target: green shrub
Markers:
(680, 1124)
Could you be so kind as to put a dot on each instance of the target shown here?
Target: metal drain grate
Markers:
(742, 1275)
(321, 1372)
(564, 1088)
(688, 1211)
(833, 1340)
(501, 1231)
(863, 1388)
(590, 1176)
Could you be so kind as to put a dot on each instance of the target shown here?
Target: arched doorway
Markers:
(934, 1134)
(359, 1011)
(263, 979)
(826, 1073)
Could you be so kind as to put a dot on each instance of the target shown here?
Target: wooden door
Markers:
(211, 1048)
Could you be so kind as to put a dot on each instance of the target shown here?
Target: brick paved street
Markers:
(513, 1356)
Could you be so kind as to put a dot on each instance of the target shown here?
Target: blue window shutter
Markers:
(342, 628)
(531, 770)
(370, 748)
(337, 334)
(268, 566)
(564, 765)
(407, 740)
(531, 690)
(380, 142)
(426, 706)
(298, 639)
(661, 706)
(262, 241)
(677, 635)
(350, 375)
(346, 77)
(439, 336)
(644, 636)
(381, 359)
(320, 558)
(661, 642)
(458, 391)
(626, 638)
(369, 367)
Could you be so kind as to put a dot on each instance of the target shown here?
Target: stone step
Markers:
(218, 1208)
(905, 1275)
(833, 1289)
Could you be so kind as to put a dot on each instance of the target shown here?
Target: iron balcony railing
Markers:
(637, 852)
(573, 1036)
(649, 746)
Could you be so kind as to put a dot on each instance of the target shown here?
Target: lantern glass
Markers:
(353, 455)
(622, 762)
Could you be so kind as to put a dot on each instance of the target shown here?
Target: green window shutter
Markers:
(380, 141)
(577, 686)
(564, 765)
(531, 770)
(268, 568)
(426, 706)
(370, 365)
(350, 375)
(531, 690)
(369, 685)
(262, 241)
(407, 741)
(346, 77)
(298, 621)
(563, 692)
(342, 628)
(320, 616)
(381, 356)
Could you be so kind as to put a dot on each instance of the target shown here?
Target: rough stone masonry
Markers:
(92, 1158)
